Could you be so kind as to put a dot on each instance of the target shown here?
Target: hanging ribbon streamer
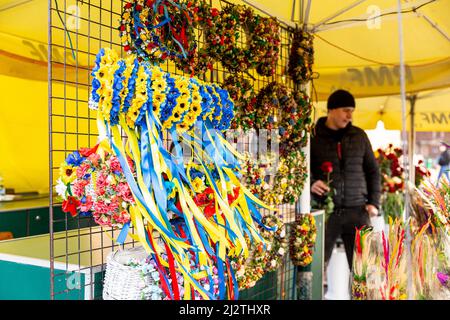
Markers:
(198, 208)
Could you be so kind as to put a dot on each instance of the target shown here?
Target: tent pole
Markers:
(304, 203)
(306, 20)
(301, 11)
(412, 137)
(406, 164)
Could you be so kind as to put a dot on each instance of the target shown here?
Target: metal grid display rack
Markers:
(77, 31)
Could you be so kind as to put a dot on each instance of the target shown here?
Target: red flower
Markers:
(214, 12)
(86, 152)
(327, 167)
(128, 5)
(122, 28)
(234, 196)
(209, 211)
(126, 48)
(70, 205)
(391, 156)
(138, 7)
(391, 187)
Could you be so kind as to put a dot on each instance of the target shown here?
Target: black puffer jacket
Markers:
(355, 176)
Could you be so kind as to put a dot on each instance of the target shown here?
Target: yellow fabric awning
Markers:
(431, 111)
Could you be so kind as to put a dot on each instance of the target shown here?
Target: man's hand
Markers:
(371, 210)
(319, 187)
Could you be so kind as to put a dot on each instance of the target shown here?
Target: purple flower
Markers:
(443, 278)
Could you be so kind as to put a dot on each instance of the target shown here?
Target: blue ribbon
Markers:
(137, 192)
(220, 269)
(123, 233)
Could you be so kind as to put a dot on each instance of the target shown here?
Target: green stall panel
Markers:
(264, 289)
(78, 274)
(317, 266)
(15, 222)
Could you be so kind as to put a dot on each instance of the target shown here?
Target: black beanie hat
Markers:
(340, 98)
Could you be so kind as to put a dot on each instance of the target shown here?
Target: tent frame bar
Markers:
(308, 9)
(348, 23)
(266, 11)
(344, 10)
(435, 26)
(408, 165)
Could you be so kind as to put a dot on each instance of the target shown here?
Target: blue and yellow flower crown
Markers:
(141, 103)
(132, 88)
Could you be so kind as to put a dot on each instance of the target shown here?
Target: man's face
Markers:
(340, 117)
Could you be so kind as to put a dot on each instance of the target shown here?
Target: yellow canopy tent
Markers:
(431, 109)
(351, 52)
(356, 44)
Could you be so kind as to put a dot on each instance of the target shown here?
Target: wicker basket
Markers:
(123, 282)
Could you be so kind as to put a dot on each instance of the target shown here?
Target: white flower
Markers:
(397, 180)
(61, 189)
(141, 284)
(273, 263)
(281, 251)
(156, 296)
(155, 275)
(241, 271)
(283, 233)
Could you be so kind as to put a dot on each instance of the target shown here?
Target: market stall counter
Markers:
(78, 265)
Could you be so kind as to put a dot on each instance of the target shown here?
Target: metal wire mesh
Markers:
(77, 31)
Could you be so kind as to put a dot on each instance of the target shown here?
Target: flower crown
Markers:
(126, 86)
(156, 30)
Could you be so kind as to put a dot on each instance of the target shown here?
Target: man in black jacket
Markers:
(355, 177)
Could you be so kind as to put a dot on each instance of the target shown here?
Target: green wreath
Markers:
(295, 122)
(244, 98)
(266, 41)
(269, 101)
(301, 58)
(224, 40)
(302, 240)
(289, 179)
(205, 20)
(276, 242)
(260, 49)
(249, 271)
(262, 257)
